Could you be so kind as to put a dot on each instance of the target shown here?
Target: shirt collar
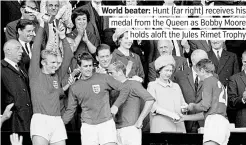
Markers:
(10, 62)
(169, 84)
(22, 42)
(194, 74)
(220, 51)
(121, 54)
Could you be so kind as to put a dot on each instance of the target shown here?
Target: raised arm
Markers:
(68, 54)
(35, 60)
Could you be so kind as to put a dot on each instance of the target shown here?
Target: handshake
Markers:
(176, 117)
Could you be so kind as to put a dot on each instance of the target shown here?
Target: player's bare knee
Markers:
(210, 143)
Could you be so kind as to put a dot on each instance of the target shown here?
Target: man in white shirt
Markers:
(26, 30)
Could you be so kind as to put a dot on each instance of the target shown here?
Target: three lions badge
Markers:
(96, 88)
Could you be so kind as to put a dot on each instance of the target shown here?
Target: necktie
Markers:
(196, 83)
(22, 72)
(26, 48)
(176, 50)
(218, 55)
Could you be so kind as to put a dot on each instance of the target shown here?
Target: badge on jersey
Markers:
(55, 84)
(96, 88)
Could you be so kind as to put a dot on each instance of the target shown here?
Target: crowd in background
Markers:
(45, 57)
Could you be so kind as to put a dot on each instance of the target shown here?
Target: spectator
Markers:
(237, 94)
(46, 125)
(25, 29)
(103, 57)
(226, 63)
(168, 96)
(165, 47)
(134, 68)
(97, 23)
(98, 126)
(84, 39)
(190, 83)
(200, 44)
(11, 31)
(15, 88)
(129, 120)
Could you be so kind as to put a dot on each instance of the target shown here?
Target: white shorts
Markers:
(129, 136)
(216, 128)
(98, 134)
(51, 128)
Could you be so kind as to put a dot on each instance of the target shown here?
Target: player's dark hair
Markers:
(84, 56)
(206, 65)
(102, 47)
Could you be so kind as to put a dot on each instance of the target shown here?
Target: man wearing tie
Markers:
(15, 88)
(25, 29)
(226, 63)
(11, 31)
(190, 84)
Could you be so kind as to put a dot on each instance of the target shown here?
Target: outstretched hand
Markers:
(181, 119)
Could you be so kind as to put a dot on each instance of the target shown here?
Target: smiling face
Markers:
(125, 42)
(81, 21)
(86, 68)
(104, 57)
(166, 72)
(50, 64)
(27, 33)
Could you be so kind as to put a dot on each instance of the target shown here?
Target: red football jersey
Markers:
(214, 98)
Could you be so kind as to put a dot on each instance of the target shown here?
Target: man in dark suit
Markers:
(11, 32)
(15, 88)
(190, 84)
(237, 94)
(165, 47)
(25, 29)
(226, 63)
(200, 44)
